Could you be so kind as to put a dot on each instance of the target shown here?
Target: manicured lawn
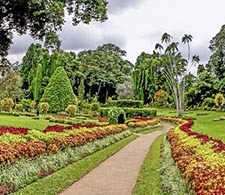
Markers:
(22, 121)
(204, 124)
(149, 177)
(57, 182)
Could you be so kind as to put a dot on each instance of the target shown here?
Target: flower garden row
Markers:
(200, 158)
(26, 155)
(19, 143)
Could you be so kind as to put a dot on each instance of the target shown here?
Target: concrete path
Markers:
(118, 174)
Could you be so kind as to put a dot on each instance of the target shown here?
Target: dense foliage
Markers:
(59, 94)
(40, 17)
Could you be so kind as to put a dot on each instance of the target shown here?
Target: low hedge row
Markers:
(131, 112)
(124, 103)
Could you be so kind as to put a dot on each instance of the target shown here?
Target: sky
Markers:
(137, 25)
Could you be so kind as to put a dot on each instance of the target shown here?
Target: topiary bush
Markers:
(131, 112)
(44, 107)
(26, 104)
(59, 93)
(7, 104)
(219, 100)
(160, 98)
(71, 110)
(19, 107)
(117, 115)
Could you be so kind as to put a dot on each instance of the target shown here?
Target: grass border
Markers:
(148, 181)
(60, 180)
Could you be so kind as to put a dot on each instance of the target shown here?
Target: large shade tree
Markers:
(39, 17)
(103, 69)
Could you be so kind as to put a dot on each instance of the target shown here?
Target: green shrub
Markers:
(160, 98)
(219, 100)
(7, 104)
(19, 107)
(44, 107)
(59, 93)
(124, 103)
(131, 112)
(95, 106)
(26, 104)
(71, 110)
(32, 105)
(116, 115)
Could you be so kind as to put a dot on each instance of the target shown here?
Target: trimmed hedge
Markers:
(124, 103)
(131, 112)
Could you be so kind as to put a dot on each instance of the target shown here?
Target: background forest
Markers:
(105, 74)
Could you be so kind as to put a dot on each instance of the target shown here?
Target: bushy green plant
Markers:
(7, 104)
(44, 107)
(71, 110)
(219, 100)
(26, 104)
(32, 105)
(160, 98)
(116, 115)
(130, 112)
(59, 93)
(95, 106)
(19, 107)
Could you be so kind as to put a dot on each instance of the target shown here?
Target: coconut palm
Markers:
(187, 39)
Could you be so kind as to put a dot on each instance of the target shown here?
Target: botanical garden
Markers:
(63, 114)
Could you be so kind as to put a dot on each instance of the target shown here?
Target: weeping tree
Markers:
(175, 67)
(147, 78)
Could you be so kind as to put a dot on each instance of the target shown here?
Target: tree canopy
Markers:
(39, 17)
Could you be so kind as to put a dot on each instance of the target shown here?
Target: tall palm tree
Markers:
(159, 47)
(187, 39)
(166, 38)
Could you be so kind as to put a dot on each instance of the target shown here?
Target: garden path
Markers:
(118, 174)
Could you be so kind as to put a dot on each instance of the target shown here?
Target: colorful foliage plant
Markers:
(141, 122)
(60, 128)
(11, 152)
(200, 158)
(13, 130)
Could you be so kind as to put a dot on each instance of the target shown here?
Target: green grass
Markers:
(204, 124)
(149, 177)
(57, 182)
(22, 121)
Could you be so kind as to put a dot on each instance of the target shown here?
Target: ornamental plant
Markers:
(219, 100)
(19, 107)
(71, 110)
(43, 107)
(59, 93)
(117, 115)
(7, 104)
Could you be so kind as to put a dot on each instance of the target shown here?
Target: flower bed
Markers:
(200, 158)
(142, 122)
(13, 130)
(38, 143)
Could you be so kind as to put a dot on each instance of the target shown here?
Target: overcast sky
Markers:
(137, 25)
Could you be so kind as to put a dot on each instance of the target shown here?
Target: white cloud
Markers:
(137, 25)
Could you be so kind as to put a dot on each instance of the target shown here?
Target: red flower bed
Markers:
(59, 128)
(17, 131)
(201, 167)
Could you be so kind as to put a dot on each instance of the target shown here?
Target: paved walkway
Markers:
(118, 174)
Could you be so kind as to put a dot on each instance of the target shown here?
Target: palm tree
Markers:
(166, 38)
(159, 47)
(187, 39)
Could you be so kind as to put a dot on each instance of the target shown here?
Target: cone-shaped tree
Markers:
(59, 93)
